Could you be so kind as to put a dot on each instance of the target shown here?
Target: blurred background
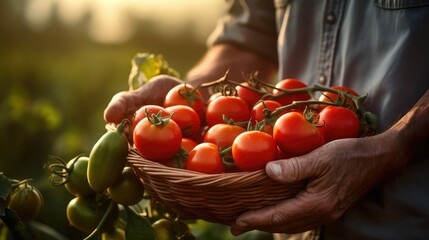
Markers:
(61, 61)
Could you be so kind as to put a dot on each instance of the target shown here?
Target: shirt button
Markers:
(323, 79)
(331, 19)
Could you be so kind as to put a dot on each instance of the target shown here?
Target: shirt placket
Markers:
(330, 27)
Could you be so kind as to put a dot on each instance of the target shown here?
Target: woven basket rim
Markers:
(217, 198)
(184, 175)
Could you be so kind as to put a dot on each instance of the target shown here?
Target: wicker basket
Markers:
(217, 198)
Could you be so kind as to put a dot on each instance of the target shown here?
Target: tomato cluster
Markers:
(103, 181)
(244, 128)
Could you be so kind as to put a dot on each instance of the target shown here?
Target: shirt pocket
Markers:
(400, 4)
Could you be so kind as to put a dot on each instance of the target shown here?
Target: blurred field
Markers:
(55, 81)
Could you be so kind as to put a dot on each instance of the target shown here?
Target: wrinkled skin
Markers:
(337, 181)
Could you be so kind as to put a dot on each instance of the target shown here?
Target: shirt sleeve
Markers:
(249, 24)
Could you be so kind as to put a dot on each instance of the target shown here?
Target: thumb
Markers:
(117, 107)
(290, 170)
(152, 92)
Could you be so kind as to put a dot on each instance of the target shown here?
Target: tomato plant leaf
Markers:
(146, 66)
(5, 188)
(16, 227)
(138, 227)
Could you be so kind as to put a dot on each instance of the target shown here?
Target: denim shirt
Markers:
(376, 47)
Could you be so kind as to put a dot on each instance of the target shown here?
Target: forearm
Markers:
(412, 130)
(221, 57)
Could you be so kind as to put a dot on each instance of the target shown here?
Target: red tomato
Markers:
(332, 97)
(153, 109)
(295, 135)
(188, 144)
(187, 119)
(232, 107)
(223, 134)
(189, 96)
(252, 150)
(205, 158)
(157, 142)
(179, 161)
(249, 96)
(338, 122)
(214, 96)
(289, 84)
(258, 114)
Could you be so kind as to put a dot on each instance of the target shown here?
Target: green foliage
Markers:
(146, 66)
(5, 189)
(138, 227)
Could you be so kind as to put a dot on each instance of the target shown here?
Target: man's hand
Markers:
(125, 103)
(337, 174)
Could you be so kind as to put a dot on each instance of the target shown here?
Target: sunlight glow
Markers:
(38, 13)
(72, 11)
(110, 22)
(114, 20)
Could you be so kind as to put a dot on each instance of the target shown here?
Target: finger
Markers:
(153, 92)
(299, 228)
(115, 109)
(296, 169)
(305, 223)
(285, 212)
(304, 212)
(290, 170)
(118, 106)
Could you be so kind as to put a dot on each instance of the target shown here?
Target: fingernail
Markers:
(275, 169)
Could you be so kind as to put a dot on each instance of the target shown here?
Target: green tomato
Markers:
(77, 180)
(26, 201)
(107, 159)
(86, 213)
(128, 190)
(115, 234)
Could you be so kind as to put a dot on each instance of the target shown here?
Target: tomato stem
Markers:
(24, 181)
(59, 171)
(189, 95)
(157, 119)
(121, 125)
(102, 221)
(226, 156)
(231, 121)
(368, 120)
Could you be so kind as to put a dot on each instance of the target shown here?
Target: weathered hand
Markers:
(337, 174)
(153, 92)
